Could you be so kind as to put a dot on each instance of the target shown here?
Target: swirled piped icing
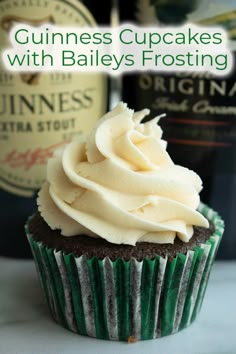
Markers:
(119, 183)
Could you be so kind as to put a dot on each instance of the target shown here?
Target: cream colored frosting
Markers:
(119, 183)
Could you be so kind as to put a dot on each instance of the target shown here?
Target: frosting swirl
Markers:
(119, 183)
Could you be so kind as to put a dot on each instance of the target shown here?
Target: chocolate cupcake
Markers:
(122, 244)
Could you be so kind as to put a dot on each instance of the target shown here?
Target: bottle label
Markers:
(201, 108)
(38, 111)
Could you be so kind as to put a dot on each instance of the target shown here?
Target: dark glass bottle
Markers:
(200, 126)
(38, 112)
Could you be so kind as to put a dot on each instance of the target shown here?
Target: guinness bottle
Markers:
(39, 112)
(200, 126)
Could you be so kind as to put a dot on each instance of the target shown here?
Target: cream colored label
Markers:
(39, 112)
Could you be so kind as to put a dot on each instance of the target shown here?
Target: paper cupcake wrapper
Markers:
(118, 299)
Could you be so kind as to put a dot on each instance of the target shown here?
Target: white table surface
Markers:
(26, 326)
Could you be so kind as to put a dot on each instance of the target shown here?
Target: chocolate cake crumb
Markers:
(132, 339)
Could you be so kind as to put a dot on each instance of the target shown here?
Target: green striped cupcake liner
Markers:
(118, 299)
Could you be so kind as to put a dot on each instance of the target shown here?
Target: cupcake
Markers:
(122, 244)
